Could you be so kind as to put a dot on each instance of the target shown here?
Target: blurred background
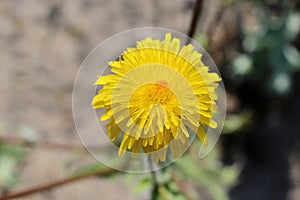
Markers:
(254, 43)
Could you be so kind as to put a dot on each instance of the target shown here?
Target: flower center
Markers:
(159, 92)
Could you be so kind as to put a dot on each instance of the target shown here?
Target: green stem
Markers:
(156, 184)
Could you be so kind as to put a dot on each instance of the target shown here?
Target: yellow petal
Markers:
(202, 135)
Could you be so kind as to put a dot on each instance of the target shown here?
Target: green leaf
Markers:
(142, 186)
(9, 156)
(7, 172)
(207, 177)
(28, 133)
(11, 150)
(292, 25)
(230, 174)
(236, 122)
(1, 130)
(293, 57)
(166, 194)
(202, 39)
(228, 2)
(280, 82)
(93, 168)
(242, 65)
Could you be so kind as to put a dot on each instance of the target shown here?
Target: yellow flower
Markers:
(155, 96)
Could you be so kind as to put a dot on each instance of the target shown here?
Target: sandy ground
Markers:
(42, 46)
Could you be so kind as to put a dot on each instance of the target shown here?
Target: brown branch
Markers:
(57, 183)
(194, 21)
(49, 144)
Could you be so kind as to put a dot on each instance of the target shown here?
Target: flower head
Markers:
(155, 96)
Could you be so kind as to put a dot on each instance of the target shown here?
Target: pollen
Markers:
(159, 93)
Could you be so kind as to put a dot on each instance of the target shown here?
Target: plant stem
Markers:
(156, 184)
(14, 140)
(194, 21)
(57, 183)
